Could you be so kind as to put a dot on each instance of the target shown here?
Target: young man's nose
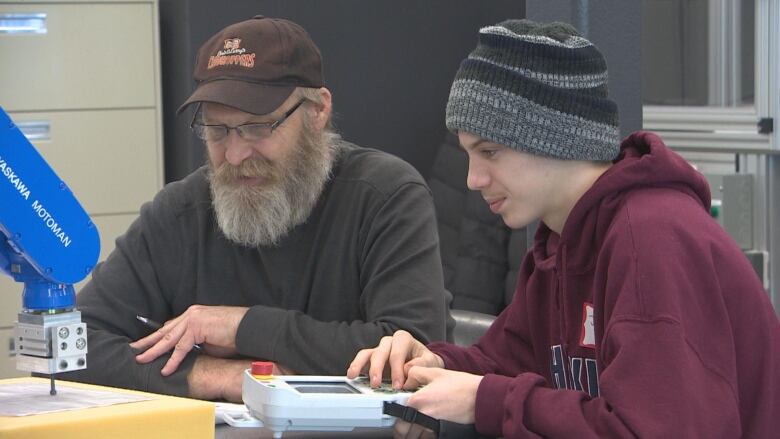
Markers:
(477, 178)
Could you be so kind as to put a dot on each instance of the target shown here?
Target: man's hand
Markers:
(213, 327)
(402, 351)
(447, 394)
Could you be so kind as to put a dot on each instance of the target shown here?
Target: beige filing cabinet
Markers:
(82, 79)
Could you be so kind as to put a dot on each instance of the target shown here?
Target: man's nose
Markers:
(236, 149)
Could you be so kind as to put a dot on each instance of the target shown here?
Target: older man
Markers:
(291, 245)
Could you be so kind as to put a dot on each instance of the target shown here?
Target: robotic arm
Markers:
(48, 242)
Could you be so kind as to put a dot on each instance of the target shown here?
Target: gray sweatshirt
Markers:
(364, 264)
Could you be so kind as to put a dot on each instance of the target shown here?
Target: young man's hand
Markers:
(212, 327)
(446, 394)
(406, 430)
(402, 351)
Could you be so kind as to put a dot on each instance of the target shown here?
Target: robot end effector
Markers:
(48, 242)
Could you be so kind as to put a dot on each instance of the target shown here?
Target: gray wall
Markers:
(614, 26)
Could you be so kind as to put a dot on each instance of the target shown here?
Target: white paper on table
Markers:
(25, 399)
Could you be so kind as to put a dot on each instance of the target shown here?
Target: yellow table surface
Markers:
(161, 417)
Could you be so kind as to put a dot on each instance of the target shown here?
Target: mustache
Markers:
(251, 167)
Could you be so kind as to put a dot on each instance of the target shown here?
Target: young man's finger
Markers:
(420, 376)
(406, 430)
(399, 354)
(417, 361)
(378, 361)
(359, 364)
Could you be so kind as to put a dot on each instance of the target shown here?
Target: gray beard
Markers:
(263, 215)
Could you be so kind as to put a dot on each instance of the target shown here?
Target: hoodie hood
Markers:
(644, 162)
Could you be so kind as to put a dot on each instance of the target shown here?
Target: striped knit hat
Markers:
(537, 88)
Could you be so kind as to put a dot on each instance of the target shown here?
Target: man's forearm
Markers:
(214, 378)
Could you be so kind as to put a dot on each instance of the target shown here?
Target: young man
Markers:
(635, 314)
(292, 245)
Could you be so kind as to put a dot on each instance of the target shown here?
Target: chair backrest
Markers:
(480, 254)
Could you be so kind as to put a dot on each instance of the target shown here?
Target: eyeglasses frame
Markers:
(272, 125)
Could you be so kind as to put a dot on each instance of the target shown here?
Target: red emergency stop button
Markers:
(263, 369)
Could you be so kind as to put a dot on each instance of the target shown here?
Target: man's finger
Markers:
(165, 344)
(178, 355)
(149, 340)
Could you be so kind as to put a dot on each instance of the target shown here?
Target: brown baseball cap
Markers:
(255, 65)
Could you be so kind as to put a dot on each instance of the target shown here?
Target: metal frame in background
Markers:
(768, 44)
(766, 167)
(734, 130)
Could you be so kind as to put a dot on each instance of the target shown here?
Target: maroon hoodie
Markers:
(643, 319)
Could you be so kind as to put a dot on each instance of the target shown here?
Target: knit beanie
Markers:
(536, 88)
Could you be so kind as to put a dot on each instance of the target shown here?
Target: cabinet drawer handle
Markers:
(35, 130)
(23, 23)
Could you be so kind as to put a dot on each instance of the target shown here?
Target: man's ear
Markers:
(324, 109)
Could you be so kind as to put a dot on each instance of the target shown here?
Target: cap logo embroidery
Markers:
(234, 44)
(232, 54)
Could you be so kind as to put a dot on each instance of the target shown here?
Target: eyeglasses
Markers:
(247, 131)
